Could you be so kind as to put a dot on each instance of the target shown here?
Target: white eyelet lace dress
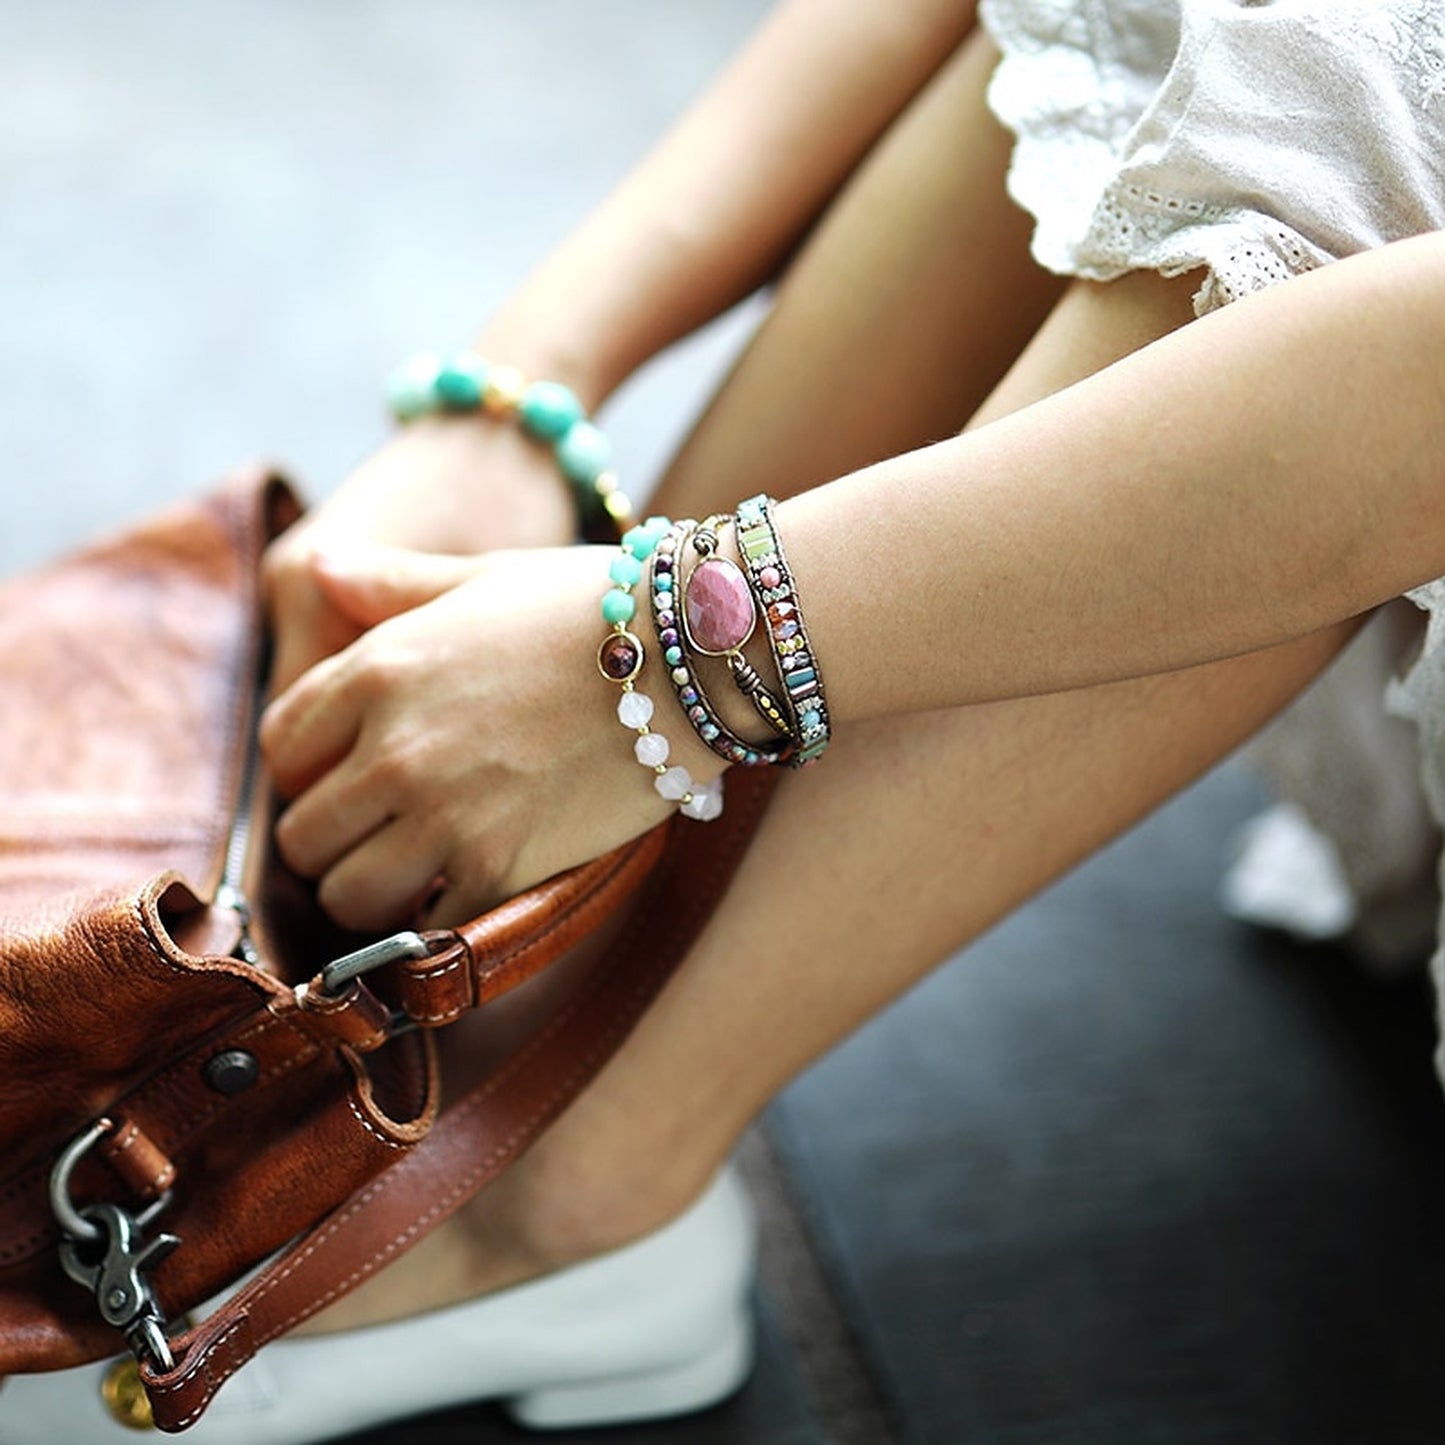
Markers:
(1250, 142)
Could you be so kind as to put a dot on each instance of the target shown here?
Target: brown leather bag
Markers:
(191, 1077)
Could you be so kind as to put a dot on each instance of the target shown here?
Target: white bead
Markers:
(634, 709)
(707, 802)
(651, 750)
(675, 783)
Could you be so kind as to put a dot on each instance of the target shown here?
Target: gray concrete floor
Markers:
(1124, 1174)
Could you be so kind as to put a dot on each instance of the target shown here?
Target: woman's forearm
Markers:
(712, 211)
(1267, 471)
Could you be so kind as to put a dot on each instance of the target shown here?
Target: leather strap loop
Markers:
(144, 1168)
(356, 1018)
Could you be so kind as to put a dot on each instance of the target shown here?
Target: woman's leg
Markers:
(912, 297)
(915, 835)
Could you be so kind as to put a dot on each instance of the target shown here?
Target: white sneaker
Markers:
(660, 1327)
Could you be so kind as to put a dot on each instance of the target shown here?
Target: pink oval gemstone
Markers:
(719, 606)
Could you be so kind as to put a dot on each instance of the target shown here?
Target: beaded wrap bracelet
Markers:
(547, 411)
(669, 595)
(773, 585)
(719, 615)
(620, 659)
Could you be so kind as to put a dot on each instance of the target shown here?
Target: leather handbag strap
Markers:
(480, 1135)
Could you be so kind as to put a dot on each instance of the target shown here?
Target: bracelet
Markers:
(620, 658)
(762, 553)
(546, 410)
(719, 622)
(696, 707)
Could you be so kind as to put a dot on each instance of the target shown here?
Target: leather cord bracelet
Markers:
(773, 585)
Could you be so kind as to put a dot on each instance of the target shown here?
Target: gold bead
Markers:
(619, 508)
(606, 483)
(125, 1397)
(503, 392)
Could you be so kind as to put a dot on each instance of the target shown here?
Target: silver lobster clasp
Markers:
(105, 1249)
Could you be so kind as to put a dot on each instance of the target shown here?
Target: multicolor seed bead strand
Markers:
(773, 585)
(620, 659)
(546, 410)
(697, 708)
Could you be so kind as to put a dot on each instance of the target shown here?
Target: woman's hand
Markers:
(465, 747)
(454, 484)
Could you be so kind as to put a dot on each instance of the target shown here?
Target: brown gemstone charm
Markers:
(620, 657)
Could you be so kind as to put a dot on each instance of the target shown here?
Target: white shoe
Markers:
(1288, 875)
(660, 1327)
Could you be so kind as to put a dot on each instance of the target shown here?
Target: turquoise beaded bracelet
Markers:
(620, 659)
(546, 410)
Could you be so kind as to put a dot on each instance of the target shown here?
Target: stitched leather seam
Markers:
(212, 1383)
(152, 947)
(371, 1128)
(126, 1140)
(452, 967)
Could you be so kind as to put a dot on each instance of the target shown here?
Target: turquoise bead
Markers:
(618, 606)
(583, 454)
(673, 656)
(626, 571)
(664, 583)
(640, 541)
(411, 388)
(459, 384)
(548, 410)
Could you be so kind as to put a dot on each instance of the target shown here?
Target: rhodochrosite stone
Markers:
(719, 606)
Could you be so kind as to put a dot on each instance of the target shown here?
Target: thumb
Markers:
(368, 584)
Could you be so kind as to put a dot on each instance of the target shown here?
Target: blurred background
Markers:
(1127, 1173)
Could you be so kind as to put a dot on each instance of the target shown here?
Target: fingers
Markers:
(311, 727)
(331, 818)
(305, 624)
(368, 584)
(384, 882)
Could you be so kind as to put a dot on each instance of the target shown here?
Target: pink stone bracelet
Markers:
(719, 616)
(667, 597)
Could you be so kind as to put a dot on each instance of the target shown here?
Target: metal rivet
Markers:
(232, 1071)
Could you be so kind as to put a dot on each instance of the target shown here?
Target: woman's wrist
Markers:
(530, 339)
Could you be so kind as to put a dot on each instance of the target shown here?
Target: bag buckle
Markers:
(341, 971)
(104, 1248)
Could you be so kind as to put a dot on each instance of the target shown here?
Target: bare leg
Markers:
(910, 300)
(936, 825)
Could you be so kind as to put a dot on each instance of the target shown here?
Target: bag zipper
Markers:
(229, 892)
